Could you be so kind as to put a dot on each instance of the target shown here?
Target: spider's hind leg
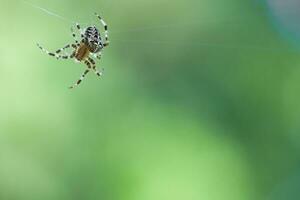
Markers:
(106, 42)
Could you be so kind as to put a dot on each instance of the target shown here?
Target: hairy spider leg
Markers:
(97, 72)
(106, 42)
(56, 54)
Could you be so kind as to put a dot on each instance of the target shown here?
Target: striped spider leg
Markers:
(74, 36)
(90, 66)
(57, 53)
(80, 79)
(97, 72)
(81, 31)
(97, 55)
(106, 42)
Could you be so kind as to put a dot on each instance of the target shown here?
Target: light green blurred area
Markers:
(199, 100)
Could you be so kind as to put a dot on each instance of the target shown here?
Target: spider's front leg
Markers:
(97, 72)
(106, 42)
(56, 54)
(90, 64)
(80, 30)
(80, 79)
(74, 36)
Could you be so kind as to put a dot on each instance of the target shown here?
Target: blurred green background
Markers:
(199, 101)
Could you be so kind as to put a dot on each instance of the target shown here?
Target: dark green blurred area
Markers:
(199, 100)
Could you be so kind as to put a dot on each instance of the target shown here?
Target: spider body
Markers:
(82, 52)
(92, 39)
(91, 43)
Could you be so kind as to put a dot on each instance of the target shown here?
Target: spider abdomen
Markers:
(82, 52)
(92, 39)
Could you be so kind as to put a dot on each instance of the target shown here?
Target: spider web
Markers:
(155, 28)
(47, 11)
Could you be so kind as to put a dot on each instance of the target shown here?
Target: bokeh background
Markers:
(199, 101)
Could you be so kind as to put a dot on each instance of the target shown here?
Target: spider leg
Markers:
(97, 55)
(74, 36)
(88, 64)
(64, 48)
(56, 54)
(97, 72)
(106, 42)
(80, 79)
(80, 30)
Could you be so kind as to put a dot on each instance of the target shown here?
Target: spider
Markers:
(91, 44)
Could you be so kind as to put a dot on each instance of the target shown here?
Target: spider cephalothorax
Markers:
(91, 43)
(92, 39)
